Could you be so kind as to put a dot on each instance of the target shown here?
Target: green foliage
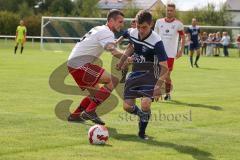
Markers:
(8, 23)
(33, 24)
(130, 11)
(9, 5)
(208, 15)
(24, 10)
(159, 13)
(61, 7)
(86, 8)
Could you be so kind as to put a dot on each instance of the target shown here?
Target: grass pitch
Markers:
(205, 100)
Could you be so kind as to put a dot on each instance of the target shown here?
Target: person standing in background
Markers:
(21, 33)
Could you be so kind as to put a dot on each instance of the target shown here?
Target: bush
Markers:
(9, 22)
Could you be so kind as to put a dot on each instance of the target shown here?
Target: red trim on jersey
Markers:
(170, 63)
(181, 33)
(87, 75)
(169, 20)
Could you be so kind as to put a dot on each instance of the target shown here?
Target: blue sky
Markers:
(189, 4)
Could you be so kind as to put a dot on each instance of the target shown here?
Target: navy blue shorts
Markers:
(140, 84)
(194, 46)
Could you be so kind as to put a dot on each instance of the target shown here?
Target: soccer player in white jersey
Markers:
(170, 29)
(88, 75)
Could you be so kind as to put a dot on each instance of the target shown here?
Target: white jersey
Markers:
(91, 46)
(169, 32)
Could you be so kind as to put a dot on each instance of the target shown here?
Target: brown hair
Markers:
(144, 16)
(113, 14)
(171, 5)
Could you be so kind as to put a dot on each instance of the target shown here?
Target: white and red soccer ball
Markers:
(98, 134)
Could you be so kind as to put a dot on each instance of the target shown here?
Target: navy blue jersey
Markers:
(194, 33)
(147, 51)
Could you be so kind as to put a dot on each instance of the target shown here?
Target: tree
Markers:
(61, 7)
(208, 15)
(24, 10)
(85, 8)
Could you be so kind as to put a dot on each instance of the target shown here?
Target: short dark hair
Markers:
(171, 5)
(113, 14)
(144, 16)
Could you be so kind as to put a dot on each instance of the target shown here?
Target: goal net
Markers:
(61, 33)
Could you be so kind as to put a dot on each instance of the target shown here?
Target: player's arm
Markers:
(182, 44)
(156, 28)
(162, 58)
(112, 47)
(163, 73)
(124, 58)
(16, 33)
(119, 40)
(25, 34)
(124, 35)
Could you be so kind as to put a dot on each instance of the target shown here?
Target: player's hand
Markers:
(126, 63)
(130, 60)
(179, 54)
(118, 66)
(157, 93)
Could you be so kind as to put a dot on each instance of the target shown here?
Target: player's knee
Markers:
(114, 80)
(145, 104)
(127, 105)
(168, 79)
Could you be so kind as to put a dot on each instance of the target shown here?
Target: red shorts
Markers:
(170, 63)
(87, 75)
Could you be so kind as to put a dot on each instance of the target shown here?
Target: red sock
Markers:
(83, 105)
(168, 87)
(101, 95)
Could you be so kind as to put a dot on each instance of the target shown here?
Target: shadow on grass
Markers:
(193, 151)
(176, 102)
(210, 69)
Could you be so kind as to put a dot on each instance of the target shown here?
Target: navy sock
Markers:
(136, 111)
(143, 122)
(21, 50)
(191, 60)
(197, 58)
(15, 49)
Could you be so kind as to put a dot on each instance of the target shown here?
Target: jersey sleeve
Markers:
(105, 38)
(25, 30)
(156, 28)
(188, 30)
(160, 52)
(17, 29)
(125, 34)
(180, 29)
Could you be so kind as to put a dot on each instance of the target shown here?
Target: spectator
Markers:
(225, 42)
(210, 45)
(218, 44)
(186, 45)
(238, 44)
(204, 43)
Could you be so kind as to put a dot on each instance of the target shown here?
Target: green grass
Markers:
(30, 129)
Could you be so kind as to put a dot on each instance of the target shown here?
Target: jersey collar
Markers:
(169, 20)
(145, 37)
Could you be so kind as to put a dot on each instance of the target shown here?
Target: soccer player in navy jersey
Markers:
(149, 70)
(119, 40)
(193, 37)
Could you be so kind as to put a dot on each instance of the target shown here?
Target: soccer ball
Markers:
(98, 134)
